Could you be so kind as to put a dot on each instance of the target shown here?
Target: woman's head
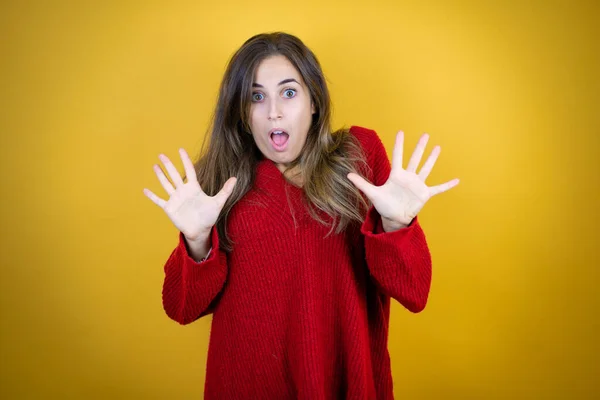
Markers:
(274, 103)
(281, 110)
(258, 103)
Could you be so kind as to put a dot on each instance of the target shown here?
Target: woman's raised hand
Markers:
(405, 193)
(191, 210)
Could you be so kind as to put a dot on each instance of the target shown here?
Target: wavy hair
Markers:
(324, 162)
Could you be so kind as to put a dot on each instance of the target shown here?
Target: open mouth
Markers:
(279, 139)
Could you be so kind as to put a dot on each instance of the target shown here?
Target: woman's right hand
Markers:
(192, 211)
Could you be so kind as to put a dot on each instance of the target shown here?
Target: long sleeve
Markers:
(190, 289)
(399, 262)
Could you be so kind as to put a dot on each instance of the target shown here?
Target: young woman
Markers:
(293, 236)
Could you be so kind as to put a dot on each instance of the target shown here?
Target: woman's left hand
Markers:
(405, 193)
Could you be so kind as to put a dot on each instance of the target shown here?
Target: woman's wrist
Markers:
(199, 248)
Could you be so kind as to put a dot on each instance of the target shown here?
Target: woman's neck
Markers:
(294, 175)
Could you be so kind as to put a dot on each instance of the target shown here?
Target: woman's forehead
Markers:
(273, 70)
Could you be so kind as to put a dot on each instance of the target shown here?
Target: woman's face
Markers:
(281, 110)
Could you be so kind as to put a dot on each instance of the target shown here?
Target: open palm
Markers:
(405, 193)
(191, 210)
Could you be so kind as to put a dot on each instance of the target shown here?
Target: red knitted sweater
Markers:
(296, 314)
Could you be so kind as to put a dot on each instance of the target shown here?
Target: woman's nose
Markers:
(274, 110)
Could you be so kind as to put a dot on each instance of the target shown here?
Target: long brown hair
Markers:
(325, 160)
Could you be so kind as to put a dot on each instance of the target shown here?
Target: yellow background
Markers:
(91, 94)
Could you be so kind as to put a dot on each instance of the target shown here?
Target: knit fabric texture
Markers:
(298, 314)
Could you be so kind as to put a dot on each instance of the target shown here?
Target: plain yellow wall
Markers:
(91, 94)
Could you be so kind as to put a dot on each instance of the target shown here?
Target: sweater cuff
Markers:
(212, 253)
(205, 271)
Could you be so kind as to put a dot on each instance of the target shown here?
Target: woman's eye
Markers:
(289, 93)
(257, 96)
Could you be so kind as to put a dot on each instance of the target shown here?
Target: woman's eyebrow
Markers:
(283, 82)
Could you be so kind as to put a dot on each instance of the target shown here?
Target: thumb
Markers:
(362, 185)
(226, 191)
